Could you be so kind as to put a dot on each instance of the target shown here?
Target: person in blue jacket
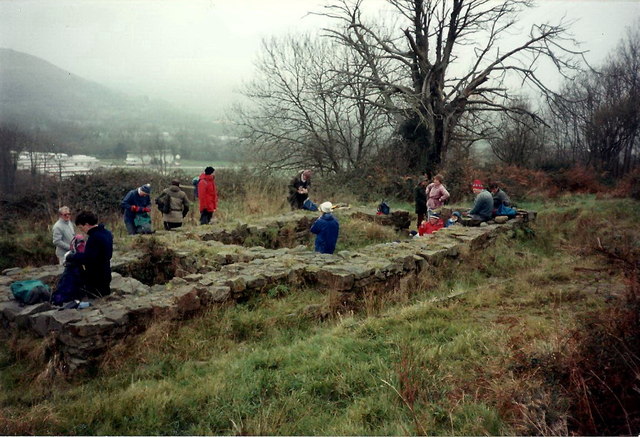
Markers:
(96, 258)
(137, 205)
(326, 228)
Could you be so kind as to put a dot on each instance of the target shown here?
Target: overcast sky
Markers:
(196, 53)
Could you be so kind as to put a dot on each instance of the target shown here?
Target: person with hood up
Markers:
(207, 195)
(326, 228)
(137, 206)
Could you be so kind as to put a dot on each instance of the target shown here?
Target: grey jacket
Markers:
(483, 205)
(63, 233)
(179, 205)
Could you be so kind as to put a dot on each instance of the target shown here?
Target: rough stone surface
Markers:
(232, 272)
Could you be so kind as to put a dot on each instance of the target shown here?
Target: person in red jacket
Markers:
(431, 225)
(207, 195)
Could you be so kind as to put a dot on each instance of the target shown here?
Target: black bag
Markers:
(164, 203)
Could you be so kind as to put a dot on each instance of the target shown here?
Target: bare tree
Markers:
(517, 139)
(306, 113)
(445, 59)
(11, 140)
(597, 119)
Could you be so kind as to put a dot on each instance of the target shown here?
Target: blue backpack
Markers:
(505, 210)
(30, 291)
(384, 208)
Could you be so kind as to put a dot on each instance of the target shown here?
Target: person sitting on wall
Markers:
(432, 224)
(299, 189)
(326, 228)
(137, 206)
(501, 202)
(498, 194)
(482, 210)
(96, 258)
(453, 220)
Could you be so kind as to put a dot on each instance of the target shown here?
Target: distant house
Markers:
(57, 164)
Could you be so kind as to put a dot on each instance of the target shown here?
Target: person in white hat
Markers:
(326, 228)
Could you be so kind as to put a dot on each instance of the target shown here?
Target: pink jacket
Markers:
(436, 196)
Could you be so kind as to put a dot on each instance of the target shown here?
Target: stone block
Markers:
(187, 299)
(219, 293)
(10, 309)
(336, 278)
(54, 320)
(22, 319)
(126, 286)
(237, 284)
(116, 314)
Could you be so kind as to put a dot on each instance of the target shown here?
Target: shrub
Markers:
(629, 186)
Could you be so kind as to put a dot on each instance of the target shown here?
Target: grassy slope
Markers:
(401, 365)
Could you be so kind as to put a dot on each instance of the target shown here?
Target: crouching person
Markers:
(96, 258)
(136, 206)
(326, 228)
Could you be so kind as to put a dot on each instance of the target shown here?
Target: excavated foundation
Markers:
(175, 275)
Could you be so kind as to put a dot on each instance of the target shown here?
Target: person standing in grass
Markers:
(437, 194)
(326, 228)
(207, 195)
(421, 201)
(176, 204)
(63, 233)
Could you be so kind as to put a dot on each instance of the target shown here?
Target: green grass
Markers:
(426, 364)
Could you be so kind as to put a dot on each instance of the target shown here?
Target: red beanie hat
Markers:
(477, 185)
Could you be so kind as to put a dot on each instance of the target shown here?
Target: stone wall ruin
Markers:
(196, 268)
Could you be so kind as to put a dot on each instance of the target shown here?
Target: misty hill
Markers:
(37, 95)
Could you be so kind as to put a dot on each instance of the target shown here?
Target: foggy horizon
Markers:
(196, 54)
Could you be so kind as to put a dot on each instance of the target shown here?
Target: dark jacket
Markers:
(133, 198)
(421, 199)
(500, 198)
(326, 228)
(207, 193)
(296, 200)
(96, 260)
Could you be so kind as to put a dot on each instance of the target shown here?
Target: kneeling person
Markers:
(96, 258)
(326, 228)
